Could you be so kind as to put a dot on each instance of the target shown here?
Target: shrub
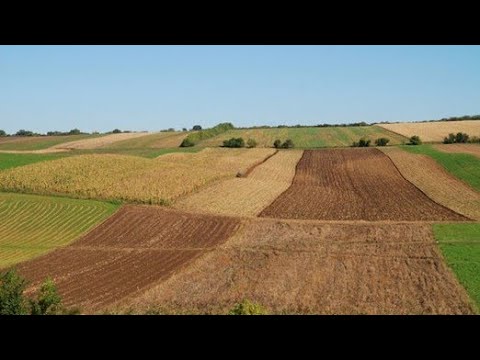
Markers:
(234, 143)
(277, 144)
(48, 301)
(288, 144)
(187, 143)
(208, 133)
(474, 140)
(362, 143)
(74, 132)
(116, 131)
(12, 301)
(247, 308)
(461, 137)
(184, 129)
(197, 128)
(382, 141)
(24, 133)
(450, 139)
(3, 133)
(251, 143)
(415, 140)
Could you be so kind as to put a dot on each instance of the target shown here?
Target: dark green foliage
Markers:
(251, 143)
(246, 307)
(288, 144)
(277, 144)
(474, 140)
(450, 139)
(3, 133)
(197, 128)
(48, 301)
(362, 143)
(382, 141)
(12, 301)
(24, 133)
(415, 140)
(198, 136)
(234, 143)
(116, 131)
(460, 138)
(184, 129)
(74, 132)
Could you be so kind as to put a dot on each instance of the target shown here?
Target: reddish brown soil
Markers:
(354, 184)
(130, 252)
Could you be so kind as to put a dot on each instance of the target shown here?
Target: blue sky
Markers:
(99, 88)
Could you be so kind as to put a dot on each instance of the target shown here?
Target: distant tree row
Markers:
(287, 144)
(364, 142)
(303, 126)
(460, 138)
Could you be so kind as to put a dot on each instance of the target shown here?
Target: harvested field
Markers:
(435, 131)
(34, 225)
(246, 196)
(130, 178)
(426, 174)
(161, 140)
(127, 254)
(38, 143)
(293, 267)
(353, 184)
(98, 142)
(313, 137)
(472, 149)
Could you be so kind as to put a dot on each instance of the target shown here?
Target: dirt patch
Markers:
(353, 184)
(472, 149)
(438, 184)
(127, 254)
(246, 196)
(317, 268)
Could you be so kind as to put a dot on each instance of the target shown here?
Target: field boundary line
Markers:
(254, 166)
(436, 202)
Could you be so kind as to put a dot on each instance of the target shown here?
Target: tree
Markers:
(24, 133)
(461, 137)
(415, 140)
(234, 143)
(74, 132)
(288, 144)
(277, 143)
(116, 131)
(184, 129)
(197, 128)
(363, 142)
(382, 141)
(3, 133)
(48, 301)
(251, 143)
(12, 301)
(450, 139)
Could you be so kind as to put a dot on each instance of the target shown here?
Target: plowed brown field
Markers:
(295, 267)
(127, 254)
(472, 149)
(353, 184)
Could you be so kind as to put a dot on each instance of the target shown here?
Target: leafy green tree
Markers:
(415, 140)
(288, 144)
(48, 301)
(277, 144)
(74, 132)
(234, 143)
(12, 287)
(24, 133)
(382, 141)
(116, 131)
(197, 128)
(3, 133)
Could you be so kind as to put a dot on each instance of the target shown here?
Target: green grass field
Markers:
(464, 166)
(38, 142)
(8, 161)
(460, 244)
(314, 137)
(33, 225)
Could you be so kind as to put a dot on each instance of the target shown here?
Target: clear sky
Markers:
(99, 88)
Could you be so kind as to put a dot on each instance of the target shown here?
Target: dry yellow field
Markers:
(158, 140)
(246, 196)
(98, 142)
(130, 178)
(472, 149)
(434, 181)
(435, 131)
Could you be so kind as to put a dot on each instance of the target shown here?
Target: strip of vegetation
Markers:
(460, 245)
(464, 166)
(8, 161)
(460, 138)
(194, 138)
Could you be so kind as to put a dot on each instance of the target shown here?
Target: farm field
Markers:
(130, 178)
(466, 167)
(33, 225)
(434, 131)
(98, 142)
(313, 137)
(8, 161)
(130, 252)
(160, 140)
(315, 268)
(246, 196)
(353, 184)
(440, 185)
(472, 149)
(32, 143)
(460, 244)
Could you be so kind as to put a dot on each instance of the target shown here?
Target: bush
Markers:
(251, 143)
(74, 132)
(461, 138)
(450, 139)
(234, 143)
(116, 131)
(474, 140)
(48, 301)
(197, 128)
(12, 301)
(187, 143)
(277, 144)
(184, 129)
(24, 133)
(3, 133)
(288, 144)
(247, 308)
(382, 141)
(362, 143)
(209, 133)
(415, 140)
